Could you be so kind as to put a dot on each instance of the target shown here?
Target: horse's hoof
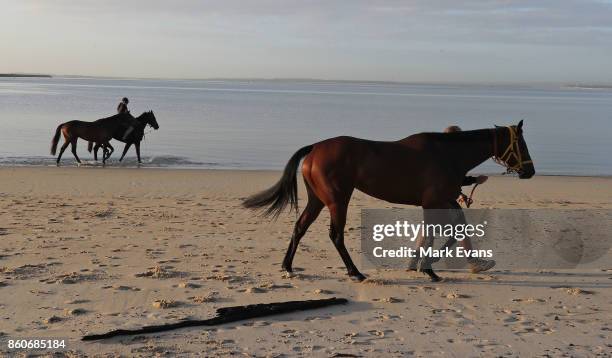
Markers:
(357, 278)
(288, 274)
(434, 277)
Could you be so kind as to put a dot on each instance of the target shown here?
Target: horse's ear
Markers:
(520, 125)
(496, 126)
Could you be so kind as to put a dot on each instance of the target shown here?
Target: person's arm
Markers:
(469, 180)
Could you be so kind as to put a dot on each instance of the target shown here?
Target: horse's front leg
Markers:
(137, 145)
(337, 211)
(455, 216)
(125, 150)
(430, 217)
(475, 264)
(433, 214)
(104, 154)
(95, 150)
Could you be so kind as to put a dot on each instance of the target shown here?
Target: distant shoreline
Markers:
(25, 75)
(323, 81)
(587, 86)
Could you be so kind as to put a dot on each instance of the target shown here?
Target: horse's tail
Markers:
(284, 192)
(56, 138)
(90, 146)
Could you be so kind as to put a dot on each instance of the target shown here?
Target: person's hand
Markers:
(464, 199)
(481, 179)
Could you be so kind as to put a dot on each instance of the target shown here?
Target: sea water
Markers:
(259, 124)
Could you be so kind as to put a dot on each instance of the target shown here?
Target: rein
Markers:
(144, 133)
(147, 132)
(512, 151)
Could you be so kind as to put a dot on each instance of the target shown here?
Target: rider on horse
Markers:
(122, 108)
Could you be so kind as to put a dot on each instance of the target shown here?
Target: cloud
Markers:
(569, 22)
(367, 38)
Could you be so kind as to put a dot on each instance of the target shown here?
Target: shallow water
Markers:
(259, 124)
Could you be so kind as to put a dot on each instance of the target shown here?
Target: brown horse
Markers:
(425, 169)
(100, 131)
(135, 137)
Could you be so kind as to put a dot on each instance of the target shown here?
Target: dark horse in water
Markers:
(425, 169)
(135, 137)
(100, 131)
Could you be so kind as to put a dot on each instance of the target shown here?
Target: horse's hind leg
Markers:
(336, 234)
(73, 144)
(95, 150)
(62, 149)
(308, 216)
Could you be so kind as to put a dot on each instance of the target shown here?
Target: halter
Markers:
(512, 151)
(144, 133)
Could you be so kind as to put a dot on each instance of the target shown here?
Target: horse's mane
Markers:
(116, 116)
(125, 114)
(463, 136)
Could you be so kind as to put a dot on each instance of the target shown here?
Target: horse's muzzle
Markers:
(527, 173)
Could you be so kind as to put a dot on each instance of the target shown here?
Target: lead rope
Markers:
(467, 200)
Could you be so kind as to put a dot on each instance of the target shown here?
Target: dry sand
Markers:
(86, 250)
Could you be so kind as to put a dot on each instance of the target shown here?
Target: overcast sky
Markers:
(556, 41)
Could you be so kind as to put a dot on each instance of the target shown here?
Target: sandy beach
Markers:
(86, 250)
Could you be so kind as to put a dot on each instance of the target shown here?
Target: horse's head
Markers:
(510, 150)
(149, 118)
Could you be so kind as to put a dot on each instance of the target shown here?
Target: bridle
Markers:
(512, 151)
(147, 124)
